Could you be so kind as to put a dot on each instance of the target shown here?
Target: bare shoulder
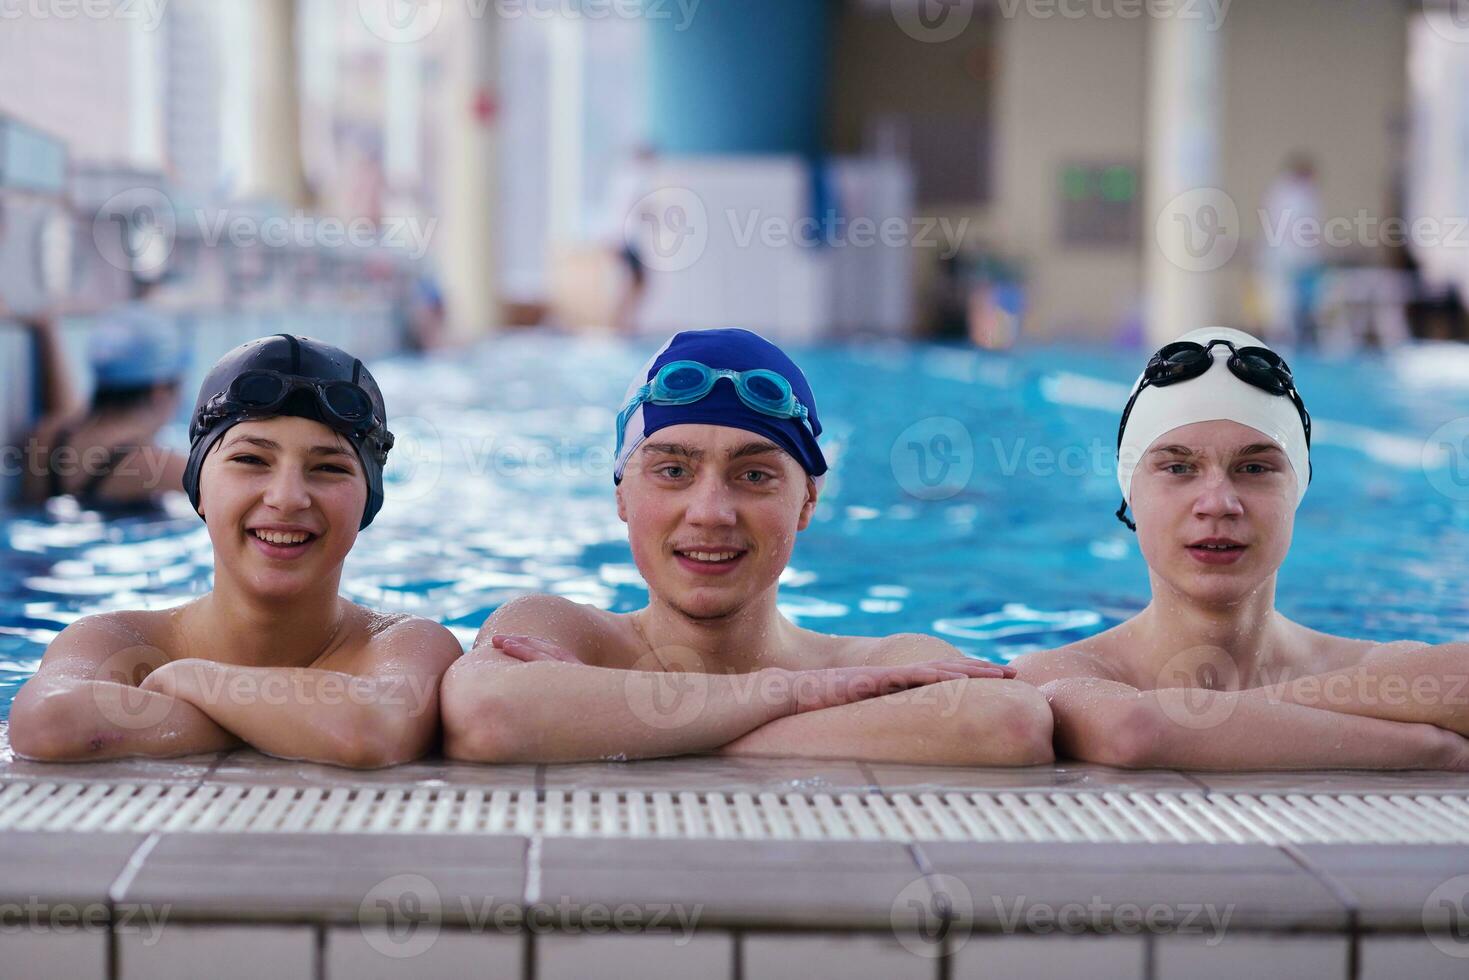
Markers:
(913, 648)
(134, 642)
(573, 625)
(401, 640)
(1088, 658)
(1325, 652)
(820, 650)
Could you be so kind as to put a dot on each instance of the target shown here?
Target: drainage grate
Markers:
(1212, 818)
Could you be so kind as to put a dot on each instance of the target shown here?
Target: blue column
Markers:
(742, 76)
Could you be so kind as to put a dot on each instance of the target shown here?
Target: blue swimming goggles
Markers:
(685, 382)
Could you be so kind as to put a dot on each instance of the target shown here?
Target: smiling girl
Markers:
(288, 443)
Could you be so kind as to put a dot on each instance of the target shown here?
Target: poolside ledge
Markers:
(240, 865)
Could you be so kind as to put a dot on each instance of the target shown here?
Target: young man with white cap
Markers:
(718, 469)
(1214, 459)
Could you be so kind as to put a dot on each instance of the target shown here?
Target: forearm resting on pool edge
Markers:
(307, 713)
(498, 711)
(1429, 685)
(1188, 728)
(973, 722)
(70, 720)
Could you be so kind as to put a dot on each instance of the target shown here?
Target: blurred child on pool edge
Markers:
(1214, 459)
(717, 470)
(288, 441)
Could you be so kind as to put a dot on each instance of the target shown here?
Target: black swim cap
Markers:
(295, 359)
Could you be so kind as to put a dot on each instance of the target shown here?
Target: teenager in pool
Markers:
(288, 443)
(1214, 459)
(717, 470)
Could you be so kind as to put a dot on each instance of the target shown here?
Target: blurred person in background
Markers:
(105, 452)
(1290, 257)
(630, 216)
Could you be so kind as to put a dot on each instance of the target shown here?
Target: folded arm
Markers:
(524, 695)
(383, 715)
(1402, 682)
(971, 722)
(501, 709)
(977, 721)
(1113, 723)
(82, 704)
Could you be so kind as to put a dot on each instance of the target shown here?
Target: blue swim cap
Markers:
(135, 347)
(734, 350)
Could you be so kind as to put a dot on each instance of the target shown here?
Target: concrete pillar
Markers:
(276, 170)
(567, 81)
(1193, 227)
(466, 246)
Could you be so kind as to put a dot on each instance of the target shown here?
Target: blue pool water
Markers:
(972, 496)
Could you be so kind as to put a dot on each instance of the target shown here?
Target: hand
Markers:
(1452, 750)
(175, 677)
(812, 690)
(531, 649)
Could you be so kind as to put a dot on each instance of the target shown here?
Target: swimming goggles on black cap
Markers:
(343, 405)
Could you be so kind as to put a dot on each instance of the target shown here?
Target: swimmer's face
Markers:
(712, 514)
(287, 478)
(1215, 507)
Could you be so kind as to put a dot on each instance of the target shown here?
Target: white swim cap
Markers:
(1215, 395)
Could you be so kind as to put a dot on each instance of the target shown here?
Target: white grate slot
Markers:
(1049, 817)
(721, 818)
(975, 825)
(1226, 832)
(1099, 821)
(695, 826)
(940, 817)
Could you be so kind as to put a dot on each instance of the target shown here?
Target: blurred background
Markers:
(969, 218)
(990, 169)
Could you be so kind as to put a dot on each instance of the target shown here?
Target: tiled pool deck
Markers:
(240, 865)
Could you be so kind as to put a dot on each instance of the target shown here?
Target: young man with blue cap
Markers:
(1214, 459)
(718, 468)
(287, 446)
